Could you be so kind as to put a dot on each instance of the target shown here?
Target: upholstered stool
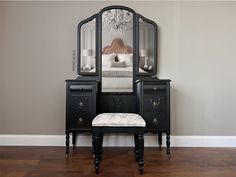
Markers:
(118, 123)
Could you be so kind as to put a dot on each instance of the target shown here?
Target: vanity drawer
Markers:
(81, 88)
(81, 119)
(154, 88)
(80, 102)
(81, 110)
(155, 120)
(154, 102)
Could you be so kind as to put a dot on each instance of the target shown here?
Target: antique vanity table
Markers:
(117, 67)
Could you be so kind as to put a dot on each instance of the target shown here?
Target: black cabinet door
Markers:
(155, 120)
(81, 105)
(81, 110)
(154, 105)
(154, 102)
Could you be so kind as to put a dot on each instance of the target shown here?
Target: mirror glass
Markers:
(117, 51)
(146, 47)
(88, 47)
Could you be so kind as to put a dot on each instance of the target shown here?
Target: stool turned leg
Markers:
(97, 145)
(67, 144)
(168, 144)
(136, 147)
(140, 152)
(93, 144)
(101, 149)
(74, 138)
(160, 139)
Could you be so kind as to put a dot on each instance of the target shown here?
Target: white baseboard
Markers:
(118, 140)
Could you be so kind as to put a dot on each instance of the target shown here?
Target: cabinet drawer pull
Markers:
(154, 88)
(155, 121)
(81, 104)
(155, 103)
(81, 88)
(81, 120)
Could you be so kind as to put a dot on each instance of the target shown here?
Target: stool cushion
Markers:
(119, 120)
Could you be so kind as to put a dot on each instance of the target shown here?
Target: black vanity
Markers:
(117, 67)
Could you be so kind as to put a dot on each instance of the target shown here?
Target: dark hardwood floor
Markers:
(51, 162)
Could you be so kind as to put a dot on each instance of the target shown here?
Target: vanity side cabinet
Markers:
(154, 106)
(80, 108)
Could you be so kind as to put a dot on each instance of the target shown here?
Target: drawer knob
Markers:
(81, 104)
(155, 103)
(155, 121)
(154, 88)
(81, 120)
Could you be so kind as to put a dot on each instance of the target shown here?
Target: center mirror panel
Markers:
(117, 51)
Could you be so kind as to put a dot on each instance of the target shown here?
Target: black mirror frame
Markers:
(79, 46)
(98, 40)
(155, 46)
(134, 37)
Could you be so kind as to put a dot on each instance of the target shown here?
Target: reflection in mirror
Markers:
(117, 51)
(146, 46)
(88, 47)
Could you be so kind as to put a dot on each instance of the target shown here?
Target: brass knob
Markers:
(81, 120)
(81, 104)
(155, 121)
(154, 103)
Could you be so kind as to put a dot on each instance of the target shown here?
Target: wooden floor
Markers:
(51, 162)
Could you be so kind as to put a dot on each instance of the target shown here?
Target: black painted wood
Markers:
(154, 70)
(74, 138)
(80, 107)
(160, 139)
(67, 143)
(140, 152)
(80, 25)
(150, 97)
(117, 102)
(138, 132)
(98, 53)
(154, 104)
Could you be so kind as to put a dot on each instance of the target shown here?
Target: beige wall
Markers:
(197, 50)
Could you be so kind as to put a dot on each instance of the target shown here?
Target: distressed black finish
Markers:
(80, 107)
(150, 97)
(95, 16)
(154, 104)
(154, 70)
(138, 138)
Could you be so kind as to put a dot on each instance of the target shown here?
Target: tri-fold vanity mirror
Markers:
(118, 45)
(117, 67)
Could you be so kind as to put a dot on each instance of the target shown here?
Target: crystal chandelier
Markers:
(117, 20)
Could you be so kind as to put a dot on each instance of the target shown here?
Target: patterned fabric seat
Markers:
(119, 120)
(118, 123)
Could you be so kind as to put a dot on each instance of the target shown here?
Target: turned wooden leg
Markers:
(168, 144)
(97, 145)
(93, 144)
(140, 152)
(101, 149)
(74, 138)
(67, 144)
(160, 139)
(136, 147)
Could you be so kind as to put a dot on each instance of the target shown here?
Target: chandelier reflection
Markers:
(117, 20)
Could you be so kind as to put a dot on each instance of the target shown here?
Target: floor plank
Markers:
(51, 162)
